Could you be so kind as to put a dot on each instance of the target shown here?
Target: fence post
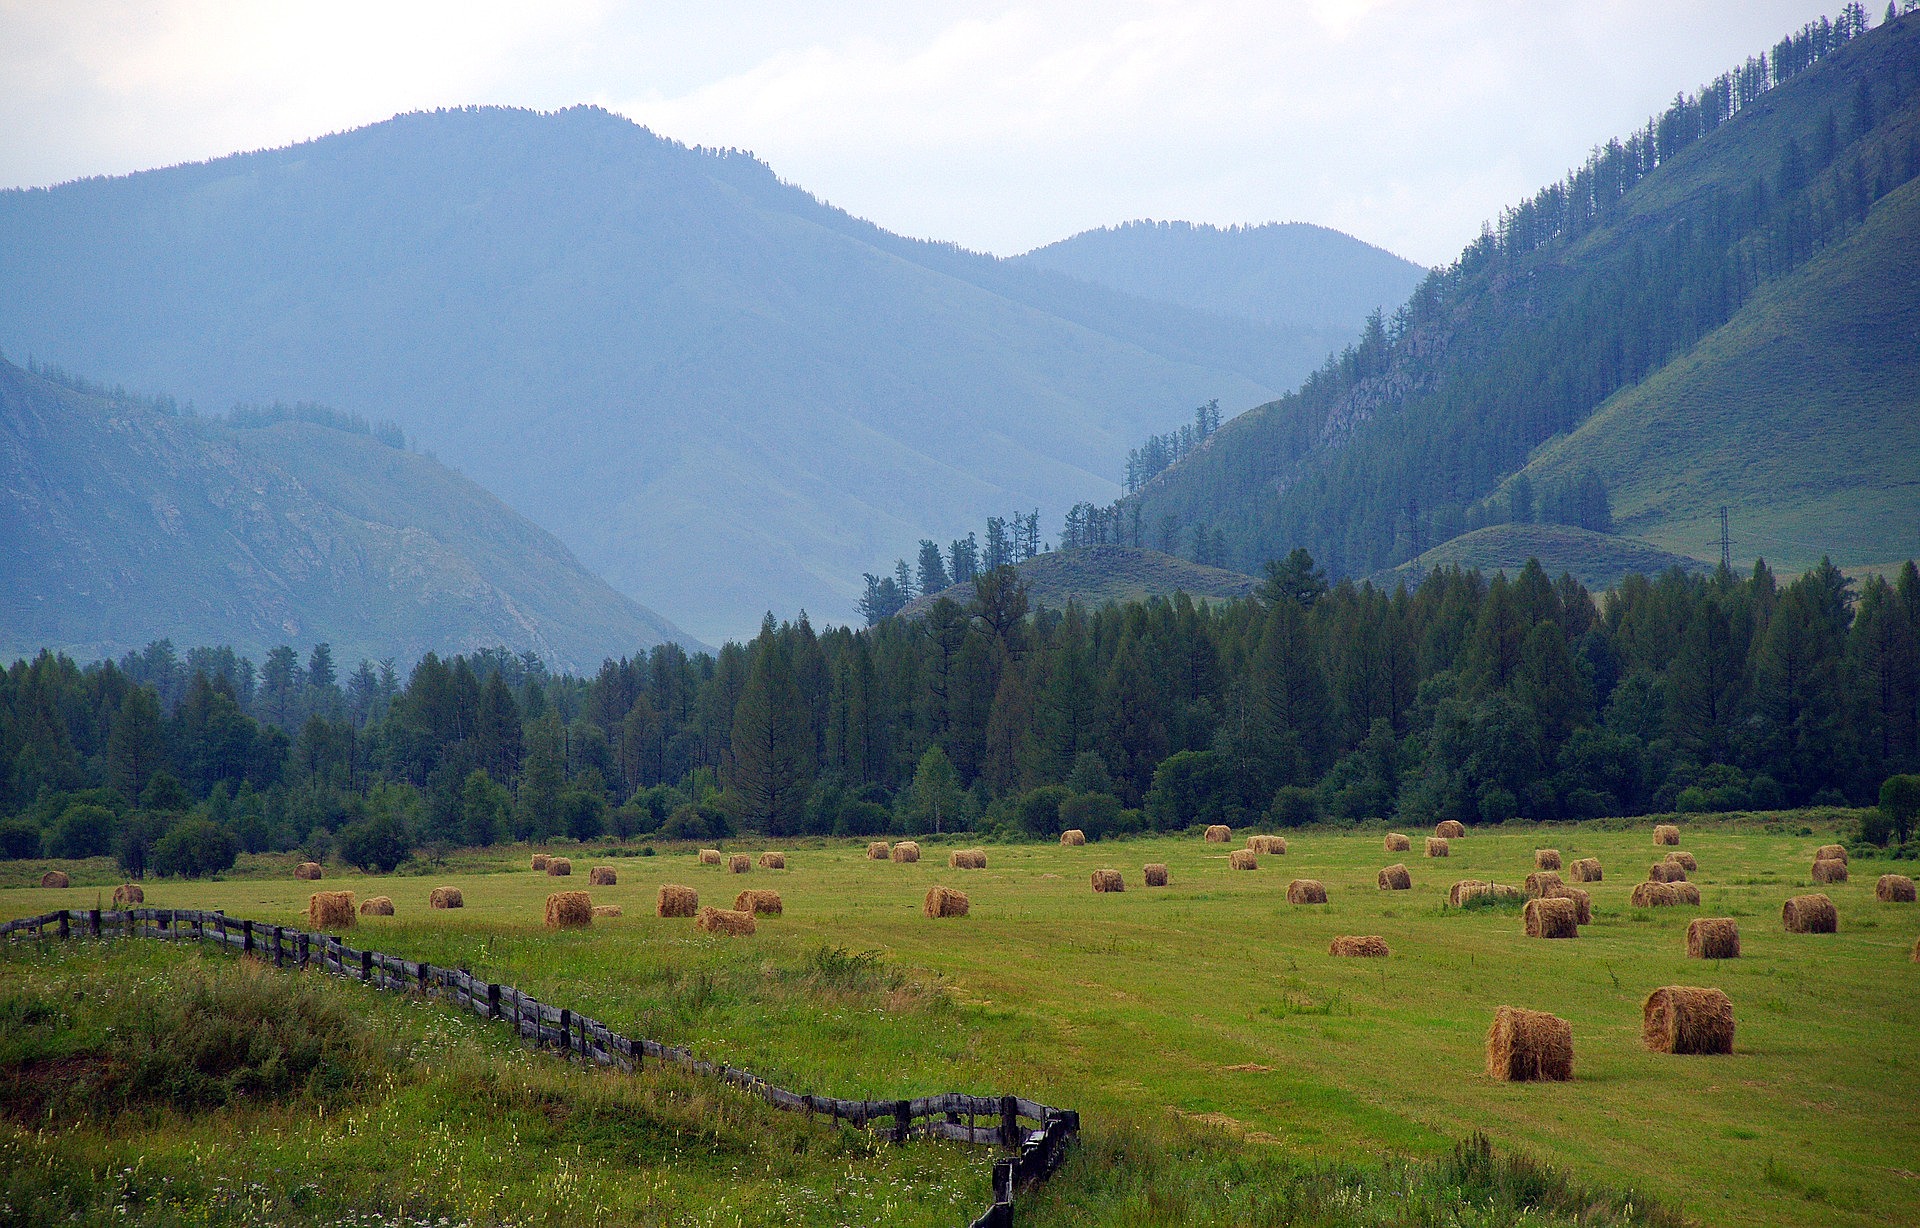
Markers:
(246, 937)
(366, 965)
(566, 1028)
(1003, 1182)
(93, 923)
(1009, 1121)
(63, 923)
(493, 1000)
(301, 953)
(902, 1119)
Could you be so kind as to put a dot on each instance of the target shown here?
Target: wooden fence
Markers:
(1038, 1148)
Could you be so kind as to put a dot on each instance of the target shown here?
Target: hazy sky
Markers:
(998, 125)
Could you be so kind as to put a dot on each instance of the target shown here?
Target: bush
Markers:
(377, 844)
(1038, 811)
(195, 848)
(862, 818)
(1498, 804)
(699, 821)
(19, 840)
(1293, 807)
(1097, 814)
(1900, 806)
(83, 831)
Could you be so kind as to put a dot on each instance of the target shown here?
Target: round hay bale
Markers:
(1666, 833)
(676, 901)
(967, 859)
(606, 910)
(131, 893)
(1395, 878)
(878, 850)
(1242, 859)
(1666, 872)
(1473, 889)
(1546, 859)
(1436, 846)
(1073, 836)
(1810, 914)
(1359, 946)
(905, 852)
(759, 902)
(1155, 874)
(1830, 852)
(568, 910)
(1465, 890)
(539, 862)
(1654, 895)
(1552, 919)
(1108, 880)
(378, 906)
(1277, 845)
(728, 921)
(1219, 833)
(739, 863)
(602, 876)
(1891, 889)
(1713, 938)
(1828, 870)
(945, 902)
(1529, 1046)
(1682, 1019)
(1582, 902)
(1585, 870)
(1685, 893)
(978, 857)
(1397, 843)
(559, 867)
(446, 897)
(773, 861)
(307, 870)
(710, 857)
(1542, 883)
(330, 910)
(1306, 891)
(1686, 861)
(1450, 829)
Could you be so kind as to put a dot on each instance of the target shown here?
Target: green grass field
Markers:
(1203, 1022)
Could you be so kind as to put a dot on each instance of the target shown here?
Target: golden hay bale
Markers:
(1306, 891)
(878, 850)
(1828, 870)
(1450, 829)
(378, 906)
(1830, 852)
(1810, 914)
(739, 863)
(759, 901)
(1891, 889)
(1243, 859)
(1666, 872)
(1436, 846)
(1397, 843)
(1156, 874)
(1685, 893)
(569, 910)
(945, 902)
(1073, 836)
(1108, 880)
(446, 897)
(1682, 1019)
(131, 893)
(606, 910)
(559, 867)
(1713, 938)
(1552, 918)
(1686, 861)
(710, 857)
(1359, 946)
(1219, 833)
(1666, 833)
(1582, 902)
(539, 862)
(330, 910)
(726, 921)
(1277, 845)
(676, 901)
(904, 852)
(1546, 859)
(1541, 883)
(602, 876)
(1465, 890)
(1396, 878)
(968, 859)
(773, 861)
(1585, 870)
(1654, 895)
(307, 870)
(1526, 1046)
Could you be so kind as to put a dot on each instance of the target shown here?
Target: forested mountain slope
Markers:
(1597, 560)
(723, 394)
(121, 524)
(1095, 575)
(1749, 208)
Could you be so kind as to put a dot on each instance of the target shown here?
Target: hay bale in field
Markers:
(1552, 919)
(739, 863)
(728, 921)
(1436, 846)
(773, 861)
(759, 902)
(1546, 859)
(131, 893)
(945, 902)
(446, 897)
(1397, 843)
(1891, 889)
(1277, 845)
(878, 850)
(1395, 878)
(1359, 946)
(676, 901)
(905, 852)
(1450, 829)
(1219, 833)
(1155, 873)
(1108, 880)
(1713, 938)
(569, 910)
(1242, 859)
(1306, 891)
(1582, 902)
(1830, 852)
(1528, 1046)
(1686, 861)
(330, 910)
(559, 867)
(1666, 872)
(307, 870)
(1654, 895)
(710, 857)
(602, 876)
(1073, 836)
(1827, 870)
(378, 906)
(1685, 893)
(1810, 914)
(539, 862)
(606, 910)
(1541, 883)
(1585, 870)
(1465, 890)
(1666, 833)
(1682, 1019)
(967, 859)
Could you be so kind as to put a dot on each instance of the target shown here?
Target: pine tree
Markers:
(543, 778)
(772, 760)
(136, 748)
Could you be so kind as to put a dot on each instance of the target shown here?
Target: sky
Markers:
(1000, 126)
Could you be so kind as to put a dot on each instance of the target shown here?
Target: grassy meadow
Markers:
(1227, 1069)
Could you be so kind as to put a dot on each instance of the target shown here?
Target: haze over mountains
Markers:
(722, 394)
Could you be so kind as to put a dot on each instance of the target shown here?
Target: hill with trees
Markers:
(1095, 575)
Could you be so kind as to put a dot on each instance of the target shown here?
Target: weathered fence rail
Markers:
(1037, 1148)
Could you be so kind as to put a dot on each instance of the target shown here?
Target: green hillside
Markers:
(1095, 575)
(121, 524)
(1597, 560)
